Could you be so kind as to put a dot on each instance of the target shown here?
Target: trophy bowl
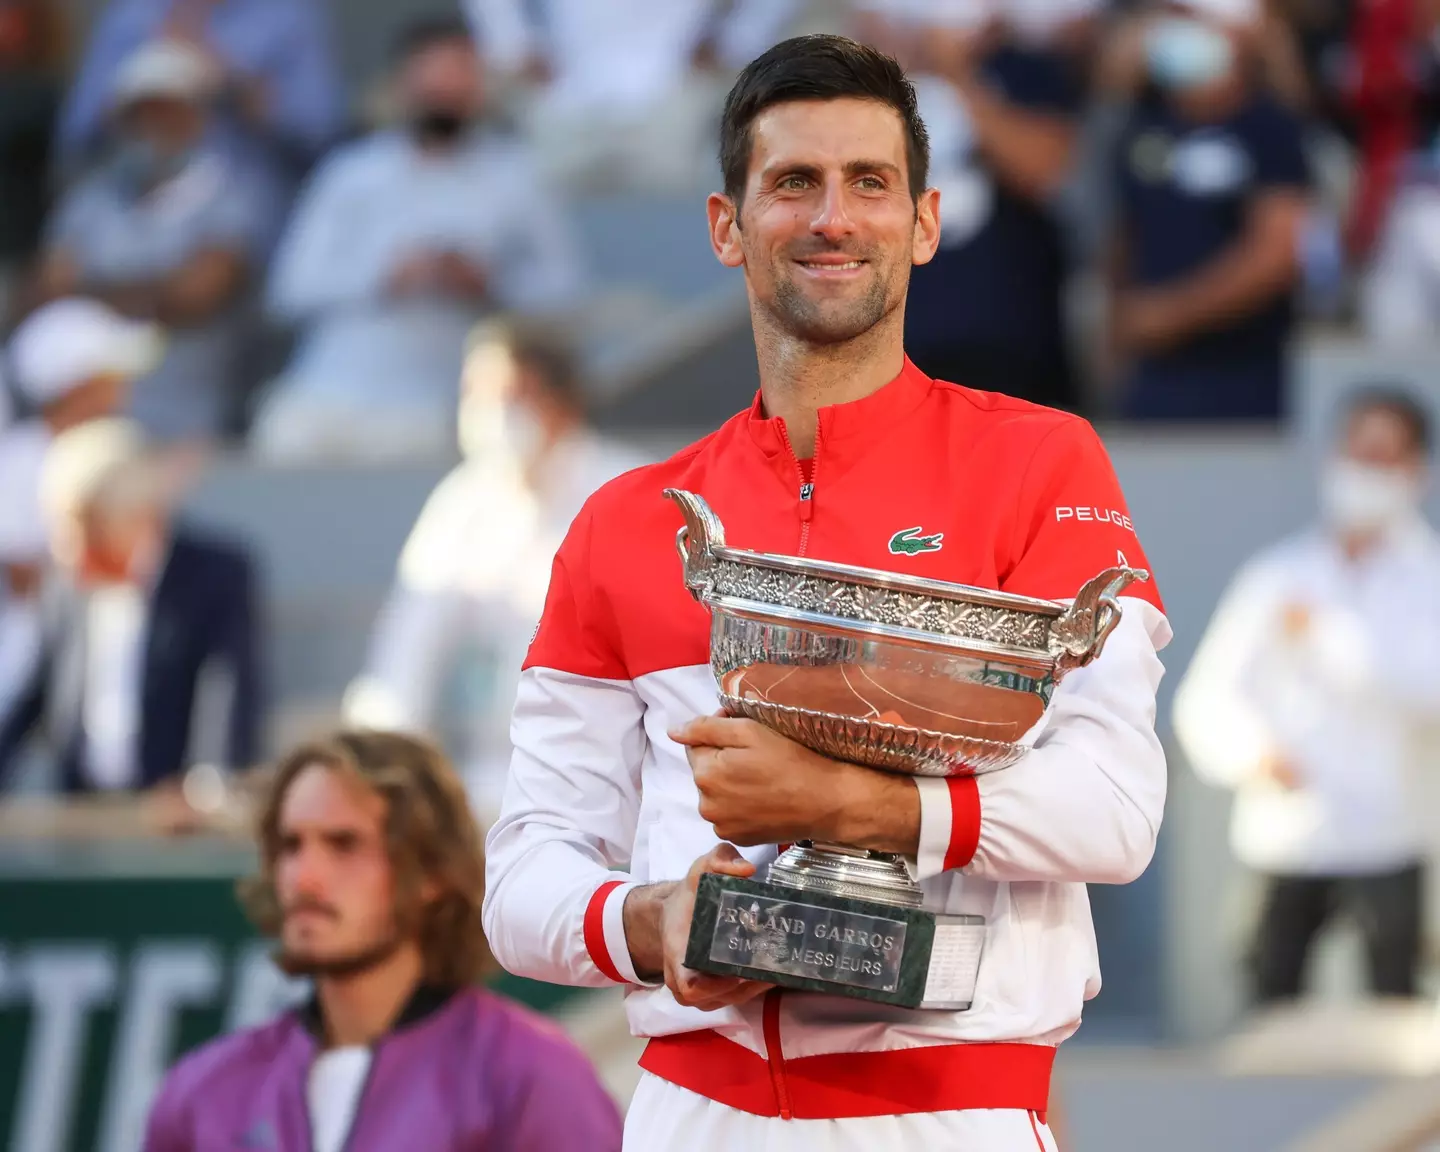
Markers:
(896, 672)
(899, 673)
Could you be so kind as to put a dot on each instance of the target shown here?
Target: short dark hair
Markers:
(426, 32)
(819, 67)
(1400, 402)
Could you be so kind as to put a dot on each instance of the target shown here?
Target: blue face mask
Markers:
(141, 166)
(1185, 53)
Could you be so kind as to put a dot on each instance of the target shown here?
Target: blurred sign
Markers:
(104, 982)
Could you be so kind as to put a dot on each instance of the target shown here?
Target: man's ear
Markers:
(724, 217)
(927, 227)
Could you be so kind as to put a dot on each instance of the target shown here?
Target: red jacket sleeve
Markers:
(1071, 520)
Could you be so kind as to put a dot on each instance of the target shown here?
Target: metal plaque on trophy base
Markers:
(894, 672)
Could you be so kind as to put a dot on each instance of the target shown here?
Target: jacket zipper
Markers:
(775, 1054)
(807, 487)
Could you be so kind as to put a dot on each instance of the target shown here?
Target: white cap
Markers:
(68, 342)
(1236, 13)
(161, 68)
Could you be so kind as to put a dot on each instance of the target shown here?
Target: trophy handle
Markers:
(1078, 636)
(697, 541)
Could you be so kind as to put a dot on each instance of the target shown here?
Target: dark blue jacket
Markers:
(203, 616)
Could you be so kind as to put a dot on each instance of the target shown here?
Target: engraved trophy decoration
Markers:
(895, 672)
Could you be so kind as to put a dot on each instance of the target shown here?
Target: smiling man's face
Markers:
(828, 229)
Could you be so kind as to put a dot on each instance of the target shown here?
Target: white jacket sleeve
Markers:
(553, 902)
(1085, 803)
(568, 819)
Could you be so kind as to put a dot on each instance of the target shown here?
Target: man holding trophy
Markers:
(862, 745)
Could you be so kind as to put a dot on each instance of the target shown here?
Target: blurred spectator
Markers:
(371, 877)
(1319, 669)
(173, 229)
(473, 575)
(1213, 203)
(986, 311)
(618, 100)
(73, 361)
(151, 645)
(31, 74)
(277, 83)
(1400, 205)
(402, 241)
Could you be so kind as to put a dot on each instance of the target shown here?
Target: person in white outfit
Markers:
(1306, 694)
(72, 361)
(472, 576)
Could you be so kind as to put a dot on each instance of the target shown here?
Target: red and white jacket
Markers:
(1027, 502)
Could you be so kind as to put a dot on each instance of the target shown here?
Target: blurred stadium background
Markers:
(120, 946)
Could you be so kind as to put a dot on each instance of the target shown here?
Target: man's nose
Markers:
(832, 217)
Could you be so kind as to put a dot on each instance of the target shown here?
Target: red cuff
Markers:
(594, 929)
(964, 821)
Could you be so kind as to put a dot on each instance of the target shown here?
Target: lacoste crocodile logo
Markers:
(910, 542)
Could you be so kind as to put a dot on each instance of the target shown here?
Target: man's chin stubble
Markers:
(353, 964)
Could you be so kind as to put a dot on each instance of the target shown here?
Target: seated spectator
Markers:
(461, 604)
(73, 361)
(621, 96)
(1212, 205)
(278, 88)
(172, 230)
(986, 310)
(31, 50)
(1308, 695)
(400, 244)
(151, 628)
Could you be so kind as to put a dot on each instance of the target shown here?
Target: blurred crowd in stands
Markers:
(209, 241)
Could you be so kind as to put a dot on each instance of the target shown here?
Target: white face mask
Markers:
(1363, 498)
(1184, 53)
(524, 434)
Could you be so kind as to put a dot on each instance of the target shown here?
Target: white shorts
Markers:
(664, 1117)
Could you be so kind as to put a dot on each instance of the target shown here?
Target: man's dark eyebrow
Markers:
(814, 172)
(874, 167)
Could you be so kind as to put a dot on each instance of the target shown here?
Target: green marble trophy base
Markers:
(817, 942)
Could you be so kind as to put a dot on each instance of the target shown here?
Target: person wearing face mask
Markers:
(170, 230)
(1212, 206)
(471, 581)
(401, 242)
(1307, 695)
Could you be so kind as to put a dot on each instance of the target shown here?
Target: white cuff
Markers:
(935, 826)
(613, 922)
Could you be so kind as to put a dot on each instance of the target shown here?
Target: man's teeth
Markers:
(837, 267)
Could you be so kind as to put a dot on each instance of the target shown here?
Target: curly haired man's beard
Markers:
(350, 964)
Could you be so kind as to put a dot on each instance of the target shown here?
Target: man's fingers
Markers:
(714, 732)
(706, 991)
(723, 858)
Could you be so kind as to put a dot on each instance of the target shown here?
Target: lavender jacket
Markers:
(461, 1071)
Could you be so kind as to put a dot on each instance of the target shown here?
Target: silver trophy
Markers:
(895, 672)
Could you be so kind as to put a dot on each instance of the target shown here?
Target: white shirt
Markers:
(22, 459)
(470, 590)
(622, 54)
(337, 1080)
(1341, 701)
(117, 623)
(376, 202)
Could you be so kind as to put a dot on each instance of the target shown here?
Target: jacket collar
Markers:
(424, 1002)
(847, 430)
